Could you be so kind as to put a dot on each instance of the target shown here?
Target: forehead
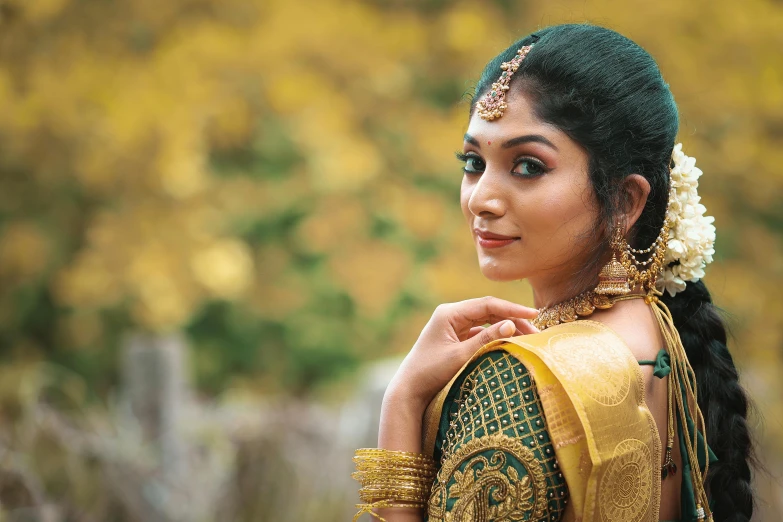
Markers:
(518, 118)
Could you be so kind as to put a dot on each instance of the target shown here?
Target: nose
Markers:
(487, 198)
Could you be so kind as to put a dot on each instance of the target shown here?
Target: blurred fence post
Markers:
(156, 389)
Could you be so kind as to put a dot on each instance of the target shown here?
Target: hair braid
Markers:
(721, 399)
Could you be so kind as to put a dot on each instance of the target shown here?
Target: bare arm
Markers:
(400, 429)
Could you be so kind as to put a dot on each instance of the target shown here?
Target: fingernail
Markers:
(507, 328)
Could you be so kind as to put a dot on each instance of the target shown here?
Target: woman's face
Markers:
(526, 196)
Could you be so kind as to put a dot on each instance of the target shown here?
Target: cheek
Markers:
(561, 216)
(464, 197)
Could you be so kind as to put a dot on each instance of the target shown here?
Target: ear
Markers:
(635, 191)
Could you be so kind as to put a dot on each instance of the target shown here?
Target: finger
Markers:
(469, 329)
(474, 331)
(465, 335)
(489, 334)
(489, 310)
(524, 326)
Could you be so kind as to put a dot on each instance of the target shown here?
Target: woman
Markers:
(599, 409)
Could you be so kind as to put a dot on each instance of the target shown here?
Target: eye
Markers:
(529, 168)
(473, 163)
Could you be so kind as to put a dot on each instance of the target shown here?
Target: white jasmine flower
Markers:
(670, 283)
(692, 234)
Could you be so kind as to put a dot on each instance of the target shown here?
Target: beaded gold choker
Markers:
(582, 305)
(493, 103)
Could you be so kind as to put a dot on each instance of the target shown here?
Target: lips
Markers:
(489, 239)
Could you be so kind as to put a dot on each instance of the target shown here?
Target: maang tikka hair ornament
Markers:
(493, 103)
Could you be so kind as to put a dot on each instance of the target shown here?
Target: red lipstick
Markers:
(489, 239)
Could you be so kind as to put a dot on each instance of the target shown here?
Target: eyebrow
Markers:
(527, 138)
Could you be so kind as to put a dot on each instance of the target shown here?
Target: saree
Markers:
(496, 464)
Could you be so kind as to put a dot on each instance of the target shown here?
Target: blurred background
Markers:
(223, 223)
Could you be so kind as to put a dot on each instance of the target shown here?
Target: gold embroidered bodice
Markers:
(497, 459)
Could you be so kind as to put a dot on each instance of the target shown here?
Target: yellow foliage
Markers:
(86, 283)
(162, 304)
(294, 88)
(419, 212)
(435, 138)
(465, 25)
(332, 224)
(224, 268)
(372, 272)
(279, 290)
(345, 165)
(24, 251)
(81, 329)
(181, 165)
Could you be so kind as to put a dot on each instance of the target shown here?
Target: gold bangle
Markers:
(368, 508)
(392, 479)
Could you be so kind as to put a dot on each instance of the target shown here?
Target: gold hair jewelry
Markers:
(682, 391)
(392, 479)
(493, 103)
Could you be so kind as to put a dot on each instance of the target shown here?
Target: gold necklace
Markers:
(582, 305)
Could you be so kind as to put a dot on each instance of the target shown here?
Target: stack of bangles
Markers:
(392, 479)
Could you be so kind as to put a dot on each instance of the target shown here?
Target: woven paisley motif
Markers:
(626, 485)
(607, 388)
(487, 487)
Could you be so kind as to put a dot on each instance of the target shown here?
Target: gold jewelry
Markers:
(493, 103)
(392, 479)
(582, 305)
(616, 280)
(637, 274)
(613, 279)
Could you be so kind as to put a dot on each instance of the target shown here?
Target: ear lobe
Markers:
(635, 191)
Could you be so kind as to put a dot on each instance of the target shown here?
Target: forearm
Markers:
(400, 430)
(401, 423)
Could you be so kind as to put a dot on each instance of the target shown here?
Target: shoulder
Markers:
(578, 350)
(494, 394)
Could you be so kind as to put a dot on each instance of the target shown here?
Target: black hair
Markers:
(607, 94)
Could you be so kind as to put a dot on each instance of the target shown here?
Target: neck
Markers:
(551, 291)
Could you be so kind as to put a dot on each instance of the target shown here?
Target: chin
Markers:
(500, 272)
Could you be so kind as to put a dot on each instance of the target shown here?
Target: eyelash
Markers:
(464, 157)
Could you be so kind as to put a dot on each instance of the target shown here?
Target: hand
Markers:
(452, 335)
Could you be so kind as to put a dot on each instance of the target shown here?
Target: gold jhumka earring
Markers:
(613, 279)
(618, 279)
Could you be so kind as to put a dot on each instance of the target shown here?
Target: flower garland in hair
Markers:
(692, 235)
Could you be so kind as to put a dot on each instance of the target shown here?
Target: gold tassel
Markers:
(682, 378)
